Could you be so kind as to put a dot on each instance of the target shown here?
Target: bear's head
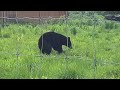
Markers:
(69, 42)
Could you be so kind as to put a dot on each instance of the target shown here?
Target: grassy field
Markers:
(100, 43)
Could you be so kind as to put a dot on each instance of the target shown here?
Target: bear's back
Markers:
(53, 36)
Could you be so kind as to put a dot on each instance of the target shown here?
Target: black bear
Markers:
(53, 40)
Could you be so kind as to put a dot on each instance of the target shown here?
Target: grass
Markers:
(76, 63)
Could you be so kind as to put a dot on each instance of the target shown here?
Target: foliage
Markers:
(75, 63)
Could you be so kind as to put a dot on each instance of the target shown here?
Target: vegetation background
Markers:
(95, 53)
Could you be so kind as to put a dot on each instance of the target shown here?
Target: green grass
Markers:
(76, 63)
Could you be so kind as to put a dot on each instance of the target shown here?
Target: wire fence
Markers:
(66, 57)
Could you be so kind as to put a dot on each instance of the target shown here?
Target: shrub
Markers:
(73, 30)
(111, 25)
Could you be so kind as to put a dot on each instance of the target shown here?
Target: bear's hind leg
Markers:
(46, 50)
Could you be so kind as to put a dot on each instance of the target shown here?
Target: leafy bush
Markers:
(73, 30)
(111, 25)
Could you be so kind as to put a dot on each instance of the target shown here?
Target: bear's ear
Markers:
(68, 38)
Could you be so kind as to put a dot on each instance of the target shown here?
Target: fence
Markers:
(32, 14)
(66, 57)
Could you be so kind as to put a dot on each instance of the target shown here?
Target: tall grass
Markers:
(75, 63)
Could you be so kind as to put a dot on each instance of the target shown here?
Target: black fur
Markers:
(53, 40)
